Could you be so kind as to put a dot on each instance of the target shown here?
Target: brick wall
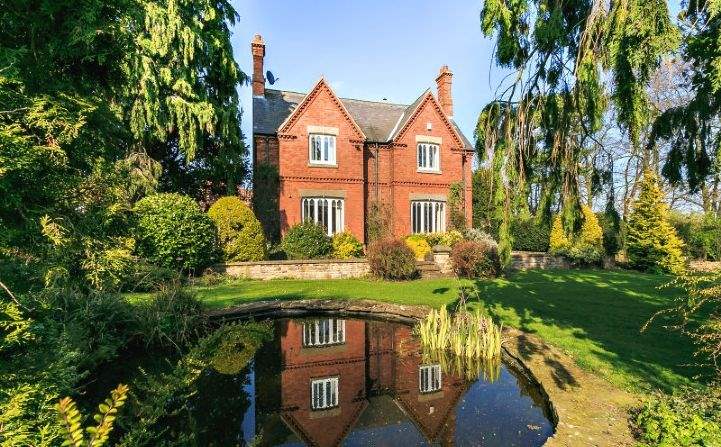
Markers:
(407, 180)
(265, 149)
(298, 174)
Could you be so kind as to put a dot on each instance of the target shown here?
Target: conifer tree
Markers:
(558, 242)
(652, 243)
(591, 231)
(588, 244)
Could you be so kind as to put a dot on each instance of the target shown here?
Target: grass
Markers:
(595, 316)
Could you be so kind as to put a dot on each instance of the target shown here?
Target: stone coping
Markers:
(584, 409)
(350, 308)
(436, 249)
(297, 261)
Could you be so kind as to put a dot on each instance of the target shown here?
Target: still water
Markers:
(331, 381)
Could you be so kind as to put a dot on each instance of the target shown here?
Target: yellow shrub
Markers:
(419, 245)
(346, 246)
(451, 238)
(591, 232)
(558, 243)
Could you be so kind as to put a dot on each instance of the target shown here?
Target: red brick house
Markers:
(336, 156)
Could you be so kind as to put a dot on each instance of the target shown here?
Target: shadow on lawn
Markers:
(607, 312)
(528, 348)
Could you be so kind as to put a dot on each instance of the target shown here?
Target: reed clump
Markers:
(468, 368)
(464, 334)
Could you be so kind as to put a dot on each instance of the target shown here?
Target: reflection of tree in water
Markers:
(218, 407)
(196, 403)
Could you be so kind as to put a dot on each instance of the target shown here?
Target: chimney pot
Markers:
(444, 82)
(257, 47)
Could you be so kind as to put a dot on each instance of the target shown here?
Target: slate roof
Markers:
(377, 119)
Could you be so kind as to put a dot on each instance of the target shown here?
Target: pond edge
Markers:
(405, 314)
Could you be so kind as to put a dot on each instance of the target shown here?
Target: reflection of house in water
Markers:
(338, 376)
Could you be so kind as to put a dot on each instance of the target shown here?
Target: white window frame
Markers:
(428, 216)
(324, 393)
(323, 332)
(325, 153)
(430, 378)
(428, 157)
(328, 212)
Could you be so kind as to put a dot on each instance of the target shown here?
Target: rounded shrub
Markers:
(346, 246)
(433, 239)
(451, 238)
(306, 240)
(419, 245)
(391, 259)
(473, 259)
(172, 231)
(240, 234)
(478, 235)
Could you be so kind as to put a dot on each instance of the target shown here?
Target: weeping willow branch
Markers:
(569, 59)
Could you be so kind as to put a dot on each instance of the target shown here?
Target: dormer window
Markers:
(428, 157)
(322, 149)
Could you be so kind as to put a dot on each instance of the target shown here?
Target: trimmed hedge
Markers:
(530, 235)
(391, 259)
(306, 240)
(239, 232)
(172, 231)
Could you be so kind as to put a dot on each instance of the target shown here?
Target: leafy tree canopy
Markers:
(89, 84)
(567, 59)
(692, 128)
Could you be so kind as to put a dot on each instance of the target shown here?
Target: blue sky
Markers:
(371, 49)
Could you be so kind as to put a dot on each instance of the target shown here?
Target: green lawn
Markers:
(594, 316)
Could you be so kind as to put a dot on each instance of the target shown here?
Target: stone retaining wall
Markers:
(358, 268)
(526, 260)
(306, 269)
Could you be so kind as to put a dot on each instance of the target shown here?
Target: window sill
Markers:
(428, 171)
(322, 165)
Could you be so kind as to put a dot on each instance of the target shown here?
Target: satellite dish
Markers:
(270, 77)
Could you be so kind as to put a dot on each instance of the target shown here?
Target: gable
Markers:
(320, 90)
(427, 100)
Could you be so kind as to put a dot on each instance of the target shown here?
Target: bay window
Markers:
(428, 157)
(326, 212)
(322, 149)
(428, 216)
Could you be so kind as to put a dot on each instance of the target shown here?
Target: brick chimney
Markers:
(258, 49)
(444, 81)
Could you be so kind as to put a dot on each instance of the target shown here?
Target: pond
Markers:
(331, 381)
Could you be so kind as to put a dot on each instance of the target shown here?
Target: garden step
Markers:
(429, 269)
